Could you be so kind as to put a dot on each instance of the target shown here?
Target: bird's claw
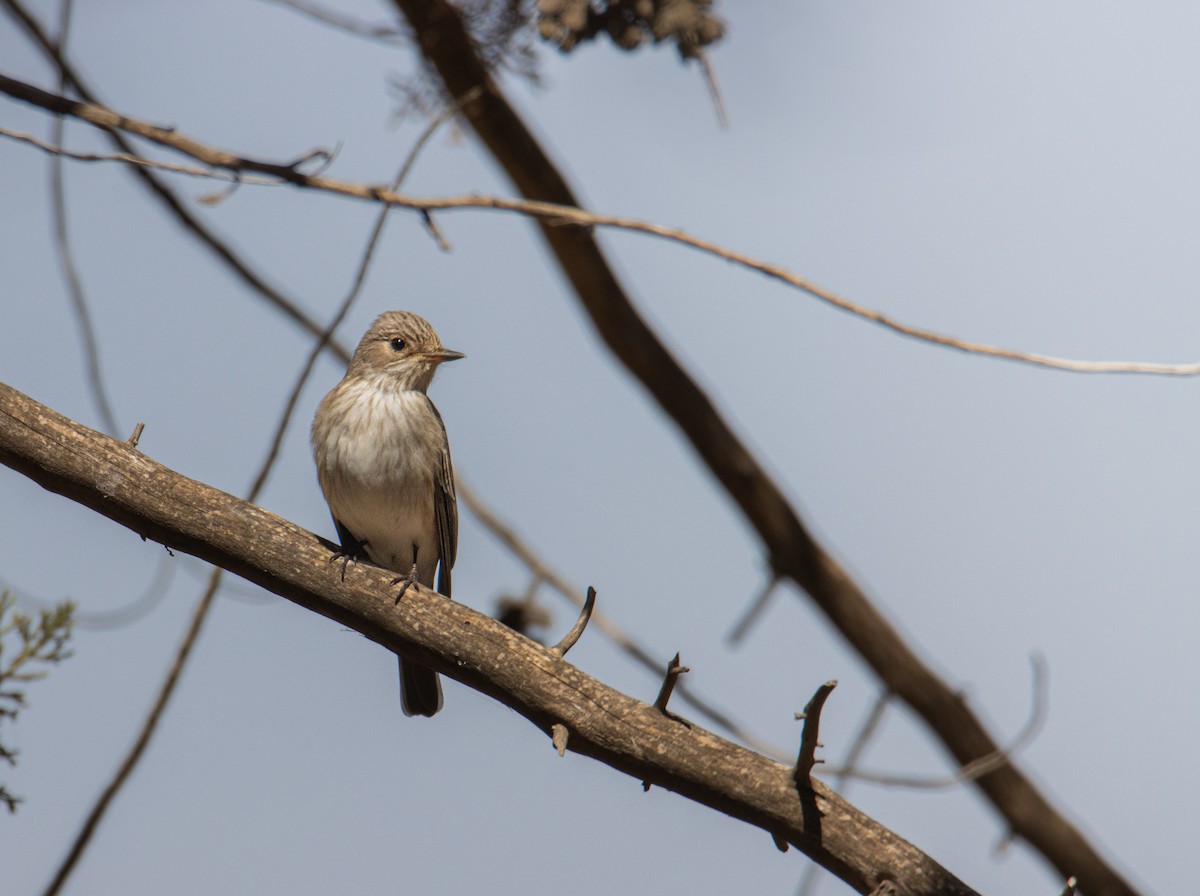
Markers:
(409, 581)
(347, 556)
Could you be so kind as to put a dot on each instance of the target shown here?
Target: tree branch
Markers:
(119, 482)
(558, 214)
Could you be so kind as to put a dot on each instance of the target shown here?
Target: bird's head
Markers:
(403, 345)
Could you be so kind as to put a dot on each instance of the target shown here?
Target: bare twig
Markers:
(56, 149)
(714, 87)
(430, 129)
(809, 738)
(576, 631)
(753, 611)
(559, 215)
(434, 231)
(813, 873)
(674, 670)
(858, 744)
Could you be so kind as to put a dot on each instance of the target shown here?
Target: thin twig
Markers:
(714, 88)
(860, 741)
(809, 737)
(814, 873)
(560, 215)
(427, 134)
(753, 611)
(55, 148)
(674, 670)
(570, 639)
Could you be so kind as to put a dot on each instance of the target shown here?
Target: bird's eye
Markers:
(397, 344)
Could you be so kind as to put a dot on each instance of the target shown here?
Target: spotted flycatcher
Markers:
(383, 461)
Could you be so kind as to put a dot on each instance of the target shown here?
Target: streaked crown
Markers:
(401, 344)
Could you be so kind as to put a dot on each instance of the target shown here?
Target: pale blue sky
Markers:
(1022, 174)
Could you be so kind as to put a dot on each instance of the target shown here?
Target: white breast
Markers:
(378, 451)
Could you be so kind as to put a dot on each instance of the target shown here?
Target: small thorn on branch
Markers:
(674, 670)
(133, 440)
(559, 735)
(808, 738)
(1071, 888)
(780, 843)
(576, 631)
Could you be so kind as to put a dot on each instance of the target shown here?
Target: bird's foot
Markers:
(408, 582)
(348, 555)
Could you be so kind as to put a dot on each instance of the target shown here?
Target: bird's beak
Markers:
(442, 355)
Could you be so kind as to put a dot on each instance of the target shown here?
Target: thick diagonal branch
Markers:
(439, 32)
(119, 482)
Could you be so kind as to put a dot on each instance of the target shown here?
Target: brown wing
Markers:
(445, 511)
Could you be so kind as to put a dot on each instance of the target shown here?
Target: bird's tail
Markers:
(420, 689)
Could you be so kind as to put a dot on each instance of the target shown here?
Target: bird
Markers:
(383, 463)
